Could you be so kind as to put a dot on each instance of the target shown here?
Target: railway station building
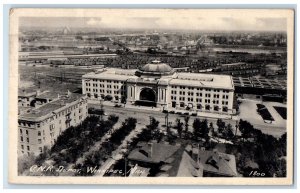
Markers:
(159, 85)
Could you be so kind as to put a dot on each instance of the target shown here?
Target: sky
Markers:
(161, 22)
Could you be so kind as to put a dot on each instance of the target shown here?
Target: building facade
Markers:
(157, 84)
(39, 127)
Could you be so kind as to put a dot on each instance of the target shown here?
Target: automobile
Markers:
(186, 113)
(165, 111)
(194, 114)
(179, 113)
(117, 105)
(172, 112)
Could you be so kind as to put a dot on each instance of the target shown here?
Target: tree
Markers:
(200, 128)
(204, 129)
(196, 127)
(221, 125)
(186, 125)
(154, 128)
(227, 132)
(179, 127)
(246, 129)
(113, 119)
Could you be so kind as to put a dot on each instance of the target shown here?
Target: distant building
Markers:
(40, 127)
(158, 159)
(157, 84)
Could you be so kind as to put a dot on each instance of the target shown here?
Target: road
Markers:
(142, 115)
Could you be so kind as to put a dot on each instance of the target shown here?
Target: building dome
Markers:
(155, 68)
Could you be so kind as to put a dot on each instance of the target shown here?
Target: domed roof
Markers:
(155, 68)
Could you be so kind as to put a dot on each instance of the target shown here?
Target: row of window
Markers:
(198, 100)
(28, 149)
(107, 86)
(199, 107)
(194, 88)
(107, 91)
(108, 81)
(199, 94)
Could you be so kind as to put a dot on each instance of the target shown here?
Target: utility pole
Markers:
(166, 119)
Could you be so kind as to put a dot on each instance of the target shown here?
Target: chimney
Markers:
(150, 146)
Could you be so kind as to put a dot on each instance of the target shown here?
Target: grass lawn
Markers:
(281, 111)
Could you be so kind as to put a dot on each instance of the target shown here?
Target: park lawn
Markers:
(281, 111)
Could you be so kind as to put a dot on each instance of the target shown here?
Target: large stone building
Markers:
(157, 84)
(39, 127)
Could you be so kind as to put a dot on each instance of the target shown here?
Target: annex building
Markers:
(159, 85)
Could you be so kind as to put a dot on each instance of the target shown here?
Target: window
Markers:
(28, 148)
(41, 149)
(199, 106)
(21, 138)
(181, 104)
(52, 126)
(20, 131)
(26, 132)
(22, 146)
(40, 141)
(27, 140)
(207, 107)
(173, 104)
(39, 133)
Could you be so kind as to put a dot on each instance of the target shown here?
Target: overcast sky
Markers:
(226, 23)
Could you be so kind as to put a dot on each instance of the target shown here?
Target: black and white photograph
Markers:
(151, 96)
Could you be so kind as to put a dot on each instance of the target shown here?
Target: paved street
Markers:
(142, 115)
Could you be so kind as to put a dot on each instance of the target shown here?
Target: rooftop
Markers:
(203, 80)
(111, 74)
(49, 108)
(184, 79)
(48, 95)
(153, 153)
(179, 161)
(218, 163)
(172, 160)
(155, 68)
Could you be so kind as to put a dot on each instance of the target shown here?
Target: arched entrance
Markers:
(147, 97)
